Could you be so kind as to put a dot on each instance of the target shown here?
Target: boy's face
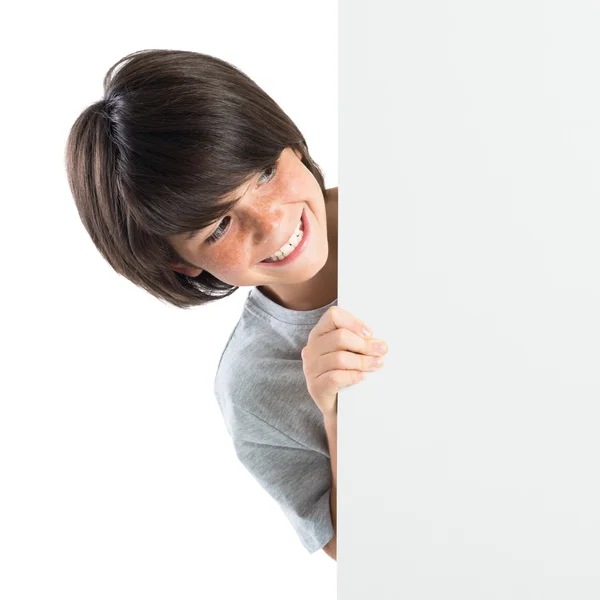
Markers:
(260, 223)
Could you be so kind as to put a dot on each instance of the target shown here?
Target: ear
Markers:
(298, 153)
(185, 270)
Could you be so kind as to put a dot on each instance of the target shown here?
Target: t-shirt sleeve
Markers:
(296, 477)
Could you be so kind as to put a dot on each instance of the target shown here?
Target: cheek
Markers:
(293, 183)
(227, 262)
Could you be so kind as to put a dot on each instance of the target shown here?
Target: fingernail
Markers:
(366, 332)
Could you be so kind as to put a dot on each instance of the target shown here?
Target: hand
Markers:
(327, 364)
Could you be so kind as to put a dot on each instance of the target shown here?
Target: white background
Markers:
(118, 478)
(469, 240)
(468, 465)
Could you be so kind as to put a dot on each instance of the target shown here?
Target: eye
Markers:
(218, 233)
(272, 168)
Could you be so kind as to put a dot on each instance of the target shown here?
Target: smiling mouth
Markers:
(290, 246)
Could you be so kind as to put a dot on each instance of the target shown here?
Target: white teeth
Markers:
(288, 248)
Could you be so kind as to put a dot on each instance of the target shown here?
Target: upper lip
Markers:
(285, 241)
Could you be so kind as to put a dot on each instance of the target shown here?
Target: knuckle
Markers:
(338, 360)
(335, 378)
(347, 338)
(335, 313)
(341, 379)
(341, 338)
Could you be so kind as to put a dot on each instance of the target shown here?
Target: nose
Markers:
(263, 221)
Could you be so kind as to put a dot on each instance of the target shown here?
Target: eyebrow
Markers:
(195, 232)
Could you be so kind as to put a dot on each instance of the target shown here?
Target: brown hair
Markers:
(174, 133)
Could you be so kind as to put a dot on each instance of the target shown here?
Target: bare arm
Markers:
(331, 430)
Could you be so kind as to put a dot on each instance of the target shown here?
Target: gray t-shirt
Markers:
(276, 428)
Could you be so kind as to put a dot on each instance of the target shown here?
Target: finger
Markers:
(344, 339)
(338, 318)
(344, 361)
(331, 382)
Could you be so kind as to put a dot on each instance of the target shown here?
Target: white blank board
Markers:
(469, 466)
